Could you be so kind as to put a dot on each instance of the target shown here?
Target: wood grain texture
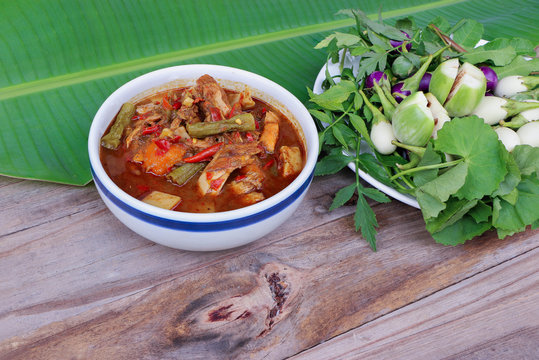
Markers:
(72, 253)
(75, 283)
(492, 315)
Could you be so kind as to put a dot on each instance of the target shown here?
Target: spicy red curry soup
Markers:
(201, 149)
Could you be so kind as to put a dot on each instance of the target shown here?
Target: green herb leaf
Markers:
(371, 61)
(503, 233)
(525, 211)
(321, 115)
(376, 195)
(430, 157)
(337, 133)
(467, 33)
(342, 40)
(342, 196)
(333, 98)
(407, 25)
(360, 126)
(414, 59)
(523, 46)
(512, 178)
(527, 159)
(358, 50)
(378, 40)
(430, 205)
(447, 184)
(380, 28)
(358, 101)
(481, 212)
(461, 231)
(499, 57)
(519, 66)
(332, 164)
(346, 136)
(368, 163)
(476, 142)
(454, 211)
(365, 221)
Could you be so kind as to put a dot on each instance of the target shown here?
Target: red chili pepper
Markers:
(215, 114)
(264, 110)
(233, 110)
(240, 177)
(249, 136)
(166, 104)
(150, 130)
(162, 144)
(215, 184)
(176, 139)
(204, 154)
(177, 105)
(269, 163)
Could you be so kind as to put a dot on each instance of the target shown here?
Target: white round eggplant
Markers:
(512, 85)
(491, 109)
(509, 86)
(529, 134)
(531, 115)
(508, 137)
(382, 136)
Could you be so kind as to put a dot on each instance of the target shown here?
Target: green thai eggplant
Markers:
(412, 120)
(459, 89)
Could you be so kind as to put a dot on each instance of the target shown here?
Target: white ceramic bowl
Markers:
(213, 231)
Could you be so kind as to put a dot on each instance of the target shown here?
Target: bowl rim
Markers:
(148, 81)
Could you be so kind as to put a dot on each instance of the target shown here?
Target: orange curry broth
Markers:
(131, 177)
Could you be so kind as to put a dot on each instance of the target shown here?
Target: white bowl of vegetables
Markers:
(434, 129)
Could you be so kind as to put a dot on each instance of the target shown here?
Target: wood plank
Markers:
(271, 300)
(68, 246)
(24, 204)
(492, 315)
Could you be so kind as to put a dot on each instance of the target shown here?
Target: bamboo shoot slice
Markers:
(162, 200)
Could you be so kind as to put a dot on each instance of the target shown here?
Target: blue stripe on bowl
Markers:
(203, 226)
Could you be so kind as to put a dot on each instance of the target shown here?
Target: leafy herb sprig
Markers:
(482, 188)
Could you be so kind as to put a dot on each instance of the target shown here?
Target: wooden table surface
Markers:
(77, 284)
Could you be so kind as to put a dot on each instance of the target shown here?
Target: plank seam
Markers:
(419, 299)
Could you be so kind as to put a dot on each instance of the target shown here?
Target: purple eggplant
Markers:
(492, 78)
(397, 44)
(425, 82)
(375, 76)
(397, 89)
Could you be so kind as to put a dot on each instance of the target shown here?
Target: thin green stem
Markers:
(341, 64)
(427, 167)
(346, 112)
(408, 182)
(396, 183)
(356, 161)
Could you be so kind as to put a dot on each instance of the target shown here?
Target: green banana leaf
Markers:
(60, 59)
